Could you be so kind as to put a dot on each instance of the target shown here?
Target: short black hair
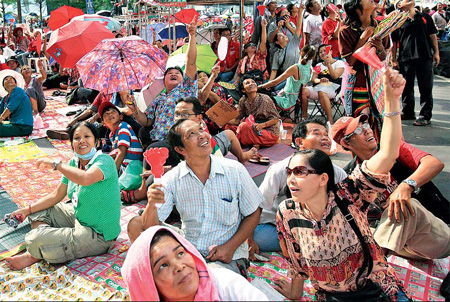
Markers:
(319, 161)
(243, 78)
(301, 129)
(221, 30)
(290, 7)
(309, 4)
(174, 138)
(84, 123)
(171, 68)
(197, 107)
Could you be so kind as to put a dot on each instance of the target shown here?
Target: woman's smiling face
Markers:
(83, 140)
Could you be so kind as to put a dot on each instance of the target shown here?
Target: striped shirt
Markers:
(212, 212)
(125, 136)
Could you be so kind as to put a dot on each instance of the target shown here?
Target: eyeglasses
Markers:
(183, 115)
(300, 171)
(358, 130)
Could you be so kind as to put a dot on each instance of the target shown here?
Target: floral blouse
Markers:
(258, 62)
(328, 252)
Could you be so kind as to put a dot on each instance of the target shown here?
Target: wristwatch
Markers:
(412, 183)
(56, 163)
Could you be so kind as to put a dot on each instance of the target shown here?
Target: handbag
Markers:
(371, 291)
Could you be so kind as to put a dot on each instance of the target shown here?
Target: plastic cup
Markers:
(283, 134)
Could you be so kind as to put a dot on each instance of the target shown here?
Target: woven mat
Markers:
(11, 239)
(276, 153)
(44, 282)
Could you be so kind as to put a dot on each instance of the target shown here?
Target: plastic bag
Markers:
(131, 177)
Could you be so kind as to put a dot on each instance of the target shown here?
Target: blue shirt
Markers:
(212, 212)
(19, 104)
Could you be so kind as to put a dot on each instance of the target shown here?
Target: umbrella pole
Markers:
(241, 27)
(174, 30)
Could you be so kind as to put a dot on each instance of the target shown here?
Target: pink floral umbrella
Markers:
(121, 64)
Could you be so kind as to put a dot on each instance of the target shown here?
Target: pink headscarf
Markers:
(138, 276)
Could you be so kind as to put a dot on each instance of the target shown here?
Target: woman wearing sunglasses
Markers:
(318, 240)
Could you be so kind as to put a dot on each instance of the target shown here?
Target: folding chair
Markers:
(336, 105)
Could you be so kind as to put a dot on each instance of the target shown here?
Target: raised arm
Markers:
(298, 29)
(263, 43)
(191, 55)
(43, 75)
(205, 92)
(391, 133)
(291, 71)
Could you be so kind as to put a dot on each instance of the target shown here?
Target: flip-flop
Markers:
(127, 196)
(259, 160)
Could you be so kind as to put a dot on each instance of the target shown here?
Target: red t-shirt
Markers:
(410, 156)
(232, 55)
(328, 28)
(101, 97)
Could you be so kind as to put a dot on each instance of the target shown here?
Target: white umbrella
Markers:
(206, 34)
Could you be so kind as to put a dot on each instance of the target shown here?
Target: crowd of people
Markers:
(334, 226)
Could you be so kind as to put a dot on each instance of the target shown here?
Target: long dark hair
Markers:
(309, 52)
(352, 18)
(319, 161)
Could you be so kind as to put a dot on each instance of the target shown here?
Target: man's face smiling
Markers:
(316, 138)
(186, 111)
(173, 78)
(196, 141)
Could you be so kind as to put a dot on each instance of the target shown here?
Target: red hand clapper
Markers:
(317, 69)
(368, 55)
(261, 9)
(156, 157)
(328, 49)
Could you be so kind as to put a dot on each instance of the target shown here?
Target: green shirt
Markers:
(98, 205)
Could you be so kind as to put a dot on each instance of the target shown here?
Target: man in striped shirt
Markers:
(125, 143)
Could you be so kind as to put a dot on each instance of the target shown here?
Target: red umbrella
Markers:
(71, 42)
(186, 15)
(62, 16)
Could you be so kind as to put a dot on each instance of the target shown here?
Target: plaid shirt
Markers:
(161, 110)
(212, 212)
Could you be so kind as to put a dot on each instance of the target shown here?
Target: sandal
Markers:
(421, 122)
(127, 196)
(259, 160)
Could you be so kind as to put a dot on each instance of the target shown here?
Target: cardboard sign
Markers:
(221, 113)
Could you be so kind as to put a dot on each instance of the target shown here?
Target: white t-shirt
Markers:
(313, 26)
(234, 287)
(335, 65)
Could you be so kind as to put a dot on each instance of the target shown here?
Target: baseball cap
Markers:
(346, 125)
(104, 106)
(267, 2)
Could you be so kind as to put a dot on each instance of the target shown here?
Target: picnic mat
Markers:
(20, 152)
(105, 268)
(11, 239)
(276, 153)
(44, 282)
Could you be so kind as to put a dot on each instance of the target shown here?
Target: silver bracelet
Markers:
(394, 113)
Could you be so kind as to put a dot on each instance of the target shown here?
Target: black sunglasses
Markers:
(300, 171)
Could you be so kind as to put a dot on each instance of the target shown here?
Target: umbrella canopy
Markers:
(186, 15)
(206, 58)
(62, 16)
(180, 31)
(122, 64)
(110, 23)
(206, 34)
(71, 42)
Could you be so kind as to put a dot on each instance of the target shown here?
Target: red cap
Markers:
(104, 106)
(346, 125)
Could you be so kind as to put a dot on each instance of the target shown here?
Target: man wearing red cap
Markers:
(403, 224)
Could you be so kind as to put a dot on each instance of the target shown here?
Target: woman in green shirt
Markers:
(87, 226)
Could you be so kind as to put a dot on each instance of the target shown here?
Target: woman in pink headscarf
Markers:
(161, 265)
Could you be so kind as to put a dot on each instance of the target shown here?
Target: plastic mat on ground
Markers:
(44, 282)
